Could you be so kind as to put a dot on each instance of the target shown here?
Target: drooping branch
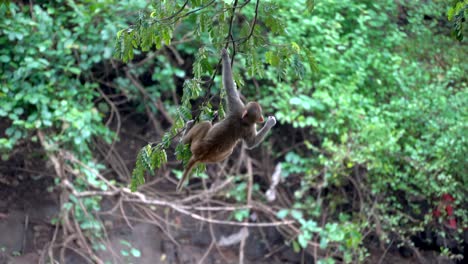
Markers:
(230, 35)
(252, 27)
(176, 16)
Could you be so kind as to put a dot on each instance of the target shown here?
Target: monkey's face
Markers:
(253, 113)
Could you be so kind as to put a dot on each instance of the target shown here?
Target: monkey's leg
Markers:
(194, 137)
(192, 162)
(188, 126)
(198, 148)
(197, 134)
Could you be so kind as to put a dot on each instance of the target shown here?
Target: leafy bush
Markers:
(383, 118)
(49, 85)
(376, 90)
(388, 109)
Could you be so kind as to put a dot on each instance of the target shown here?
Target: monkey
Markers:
(214, 143)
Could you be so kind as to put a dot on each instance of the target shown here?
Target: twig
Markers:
(153, 217)
(119, 123)
(31, 10)
(158, 103)
(230, 36)
(385, 252)
(124, 215)
(195, 10)
(49, 247)
(85, 244)
(141, 198)
(176, 54)
(275, 179)
(208, 193)
(249, 200)
(202, 259)
(79, 253)
(70, 157)
(175, 14)
(26, 224)
(213, 238)
(254, 22)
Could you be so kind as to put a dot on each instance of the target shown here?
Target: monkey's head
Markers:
(252, 113)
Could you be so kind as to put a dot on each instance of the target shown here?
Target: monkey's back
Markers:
(220, 141)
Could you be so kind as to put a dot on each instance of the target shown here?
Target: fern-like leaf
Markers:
(138, 174)
(146, 152)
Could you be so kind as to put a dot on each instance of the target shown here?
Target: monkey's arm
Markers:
(254, 140)
(235, 104)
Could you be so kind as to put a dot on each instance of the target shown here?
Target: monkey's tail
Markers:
(192, 162)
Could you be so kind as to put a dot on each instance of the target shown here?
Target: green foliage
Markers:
(155, 28)
(149, 158)
(128, 251)
(458, 13)
(377, 90)
(386, 114)
(47, 85)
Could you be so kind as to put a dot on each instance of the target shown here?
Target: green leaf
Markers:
(240, 215)
(272, 58)
(310, 5)
(4, 58)
(302, 240)
(296, 247)
(323, 242)
(296, 214)
(282, 213)
(74, 70)
(146, 156)
(135, 252)
(125, 243)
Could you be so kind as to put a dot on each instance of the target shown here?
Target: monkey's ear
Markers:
(260, 119)
(244, 113)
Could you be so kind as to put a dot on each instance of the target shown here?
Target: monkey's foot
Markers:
(215, 116)
(189, 125)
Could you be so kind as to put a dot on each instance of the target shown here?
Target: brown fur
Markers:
(214, 143)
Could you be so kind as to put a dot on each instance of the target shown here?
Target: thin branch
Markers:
(254, 22)
(142, 198)
(175, 14)
(249, 201)
(176, 18)
(230, 36)
(202, 260)
(158, 104)
(119, 123)
(196, 10)
(208, 193)
(244, 4)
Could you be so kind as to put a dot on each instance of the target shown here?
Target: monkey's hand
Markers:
(271, 121)
(224, 53)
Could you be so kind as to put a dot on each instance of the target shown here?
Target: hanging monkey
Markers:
(214, 143)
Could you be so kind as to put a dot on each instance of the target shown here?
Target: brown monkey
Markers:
(214, 143)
